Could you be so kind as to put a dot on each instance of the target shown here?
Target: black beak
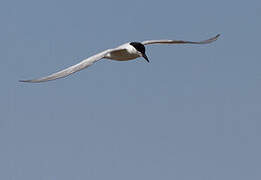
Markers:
(145, 57)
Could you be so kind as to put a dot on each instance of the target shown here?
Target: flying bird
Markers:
(124, 52)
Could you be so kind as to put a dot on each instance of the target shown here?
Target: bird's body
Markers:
(124, 52)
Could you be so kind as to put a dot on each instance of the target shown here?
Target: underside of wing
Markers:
(180, 41)
(72, 69)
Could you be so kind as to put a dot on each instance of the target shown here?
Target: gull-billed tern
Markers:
(125, 52)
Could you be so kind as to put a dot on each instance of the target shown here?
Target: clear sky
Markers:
(193, 113)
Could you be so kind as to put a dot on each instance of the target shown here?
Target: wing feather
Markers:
(210, 40)
(72, 69)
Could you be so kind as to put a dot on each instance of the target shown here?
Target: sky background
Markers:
(193, 113)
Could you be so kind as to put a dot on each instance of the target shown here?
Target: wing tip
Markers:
(29, 81)
(217, 36)
(210, 40)
(24, 81)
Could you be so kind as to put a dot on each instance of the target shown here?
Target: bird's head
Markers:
(140, 49)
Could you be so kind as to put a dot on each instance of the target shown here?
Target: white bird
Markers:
(125, 52)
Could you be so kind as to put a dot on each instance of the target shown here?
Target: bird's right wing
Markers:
(72, 69)
(180, 41)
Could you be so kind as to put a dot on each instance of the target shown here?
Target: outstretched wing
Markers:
(180, 41)
(72, 69)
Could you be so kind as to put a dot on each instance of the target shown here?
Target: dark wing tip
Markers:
(24, 80)
(217, 36)
(29, 81)
(210, 40)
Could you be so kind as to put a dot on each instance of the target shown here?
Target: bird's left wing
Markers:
(180, 41)
(72, 69)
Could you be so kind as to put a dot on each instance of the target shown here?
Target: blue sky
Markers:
(192, 113)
